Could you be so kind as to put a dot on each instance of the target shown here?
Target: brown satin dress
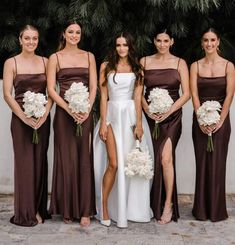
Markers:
(31, 165)
(170, 128)
(209, 200)
(73, 187)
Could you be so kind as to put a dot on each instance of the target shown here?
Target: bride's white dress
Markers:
(130, 196)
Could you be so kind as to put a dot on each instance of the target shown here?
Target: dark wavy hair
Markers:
(65, 26)
(113, 58)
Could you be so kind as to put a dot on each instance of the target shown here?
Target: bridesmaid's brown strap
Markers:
(197, 68)
(226, 68)
(144, 62)
(178, 64)
(15, 64)
(58, 63)
(44, 65)
(88, 60)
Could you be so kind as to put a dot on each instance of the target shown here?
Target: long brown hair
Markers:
(65, 26)
(113, 59)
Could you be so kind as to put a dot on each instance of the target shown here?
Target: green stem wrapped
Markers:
(156, 131)
(35, 137)
(79, 130)
(210, 146)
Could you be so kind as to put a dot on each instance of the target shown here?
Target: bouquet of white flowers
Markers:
(208, 114)
(160, 102)
(78, 97)
(34, 106)
(139, 163)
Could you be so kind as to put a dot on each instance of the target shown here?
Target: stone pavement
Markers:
(186, 231)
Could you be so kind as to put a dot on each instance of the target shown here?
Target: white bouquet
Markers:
(78, 97)
(208, 114)
(139, 163)
(160, 102)
(34, 106)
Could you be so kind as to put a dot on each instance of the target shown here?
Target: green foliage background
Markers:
(101, 19)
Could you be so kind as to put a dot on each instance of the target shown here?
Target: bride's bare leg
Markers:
(110, 173)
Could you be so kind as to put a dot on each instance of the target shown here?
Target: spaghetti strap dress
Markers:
(30, 160)
(169, 129)
(209, 199)
(73, 187)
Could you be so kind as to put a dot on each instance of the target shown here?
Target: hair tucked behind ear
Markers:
(65, 26)
(213, 30)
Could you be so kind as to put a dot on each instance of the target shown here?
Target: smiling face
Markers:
(163, 43)
(72, 34)
(122, 47)
(29, 40)
(210, 42)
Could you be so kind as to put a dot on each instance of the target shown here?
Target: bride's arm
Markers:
(103, 103)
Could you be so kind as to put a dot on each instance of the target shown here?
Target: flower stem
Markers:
(156, 131)
(79, 130)
(35, 137)
(210, 146)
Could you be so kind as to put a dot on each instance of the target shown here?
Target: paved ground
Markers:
(185, 231)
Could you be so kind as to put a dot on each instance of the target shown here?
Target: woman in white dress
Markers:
(119, 197)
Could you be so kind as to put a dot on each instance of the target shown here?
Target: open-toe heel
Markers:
(67, 221)
(85, 221)
(39, 218)
(166, 215)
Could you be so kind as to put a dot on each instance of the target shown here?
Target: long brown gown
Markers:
(31, 165)
(209, 200)
(170, 128)
(73, 187)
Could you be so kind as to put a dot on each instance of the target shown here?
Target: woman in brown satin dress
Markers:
(73, 189)
(27, 72)
(166, 71)
(211, 78)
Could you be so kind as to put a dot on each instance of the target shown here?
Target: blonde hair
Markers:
(28, 27)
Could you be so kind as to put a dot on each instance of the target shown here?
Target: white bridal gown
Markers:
(130, 196)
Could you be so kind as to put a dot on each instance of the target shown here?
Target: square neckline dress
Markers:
(129, 198)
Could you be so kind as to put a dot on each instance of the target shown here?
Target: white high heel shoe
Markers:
(105, 222)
